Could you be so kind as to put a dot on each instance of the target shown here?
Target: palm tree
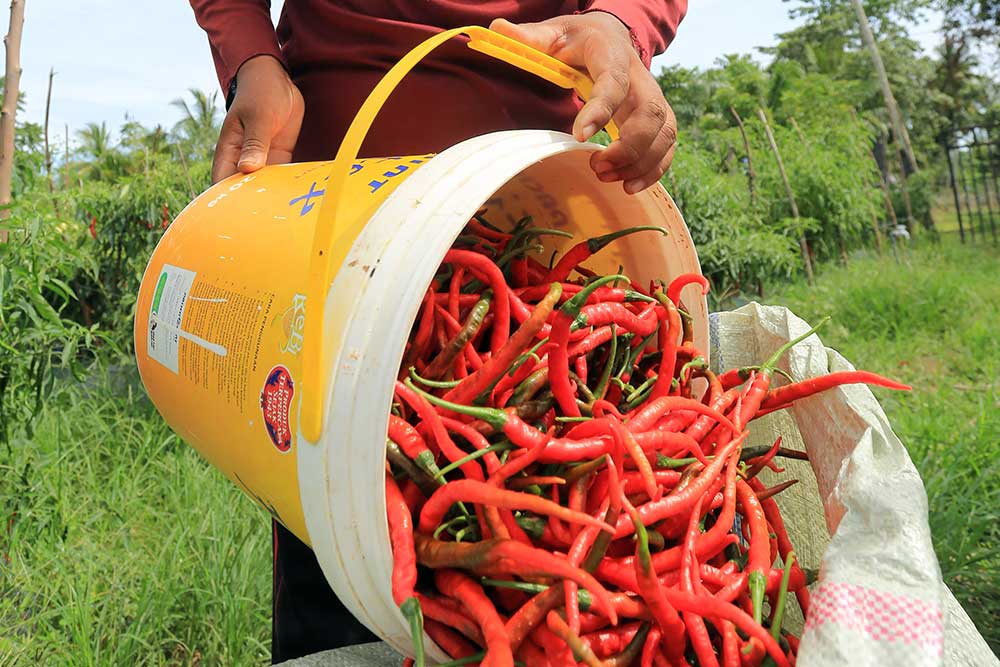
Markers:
(198, 130)
(102, 159)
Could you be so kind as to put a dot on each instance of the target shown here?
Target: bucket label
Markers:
(276, 406)
(166, 314)
(293, 324)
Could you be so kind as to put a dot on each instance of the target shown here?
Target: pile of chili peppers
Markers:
(559, 493)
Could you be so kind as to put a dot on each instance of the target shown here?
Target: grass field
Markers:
(118, 545)
(931, 320)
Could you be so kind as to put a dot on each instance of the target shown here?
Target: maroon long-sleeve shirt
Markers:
(337, 50)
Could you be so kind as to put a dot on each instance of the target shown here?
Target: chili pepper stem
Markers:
(757, 582)
(779, 607)
(411, 610)
(495, 418)
(769, 365)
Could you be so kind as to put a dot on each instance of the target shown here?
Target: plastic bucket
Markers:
(272, 317)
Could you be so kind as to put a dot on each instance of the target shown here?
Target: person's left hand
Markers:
(623, 90)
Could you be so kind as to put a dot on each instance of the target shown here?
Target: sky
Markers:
(114, 58)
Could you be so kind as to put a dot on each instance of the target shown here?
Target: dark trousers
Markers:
(306, 616)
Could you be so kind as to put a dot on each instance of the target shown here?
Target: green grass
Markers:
(125, 548)
(119, 546)
(932, 321)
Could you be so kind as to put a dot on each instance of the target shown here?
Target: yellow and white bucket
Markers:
(273, 314)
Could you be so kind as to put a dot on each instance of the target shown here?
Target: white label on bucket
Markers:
(166, 314)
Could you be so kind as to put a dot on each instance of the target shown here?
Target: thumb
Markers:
(256, 144)
(546, 36)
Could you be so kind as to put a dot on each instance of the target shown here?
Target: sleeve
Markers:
(237, 31)
(653, 23)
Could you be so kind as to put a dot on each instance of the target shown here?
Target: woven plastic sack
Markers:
(859, 516)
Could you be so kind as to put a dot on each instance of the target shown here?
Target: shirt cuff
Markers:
(636, 43)
(254, 37)
(652, 24)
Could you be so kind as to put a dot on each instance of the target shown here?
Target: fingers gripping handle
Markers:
(332, 238)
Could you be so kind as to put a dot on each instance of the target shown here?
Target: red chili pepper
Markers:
(652, 592)
(471, 595)
(464, 300)
(682, 281)
(93, 227)
(698, 633)
(759, 555)
(643, 419)
(649, 647)
(493, 274)
(412, 444)
(790, 393)
(468, 490)
(667, 340)
(404, 558)
(497, 557)
(521, 623)
(581, 252)
(777, 524)
(776, 489)
(681, 499)
(620, 572)
(508, 352)
(730, 645)
(557, 652)
(559, 357)
(450, 641)
(762, 381)
(474, 438)
(457, 345)
(530, 654)
(558, 626)
(451, 613)
(422, 339)
(603, 314)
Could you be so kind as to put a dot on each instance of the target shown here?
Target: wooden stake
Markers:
(66, 160)
(878, 234)
(8, 111)
(751, 174)
(803, 244)
(48, 153)
(905, 192)
(187, 174)
(798, 130)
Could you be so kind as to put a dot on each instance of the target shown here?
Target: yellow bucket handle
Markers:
(327, 255)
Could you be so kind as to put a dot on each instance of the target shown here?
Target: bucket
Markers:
(272, 317)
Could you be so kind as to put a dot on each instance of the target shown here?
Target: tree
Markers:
(8, 112)
(199, 129)
(895, 116)
(103, 159)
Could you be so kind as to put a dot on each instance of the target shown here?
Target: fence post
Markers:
(977, 158)
(965, 191)
(954, 192)
(751, 175)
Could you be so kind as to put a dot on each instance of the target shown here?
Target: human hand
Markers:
(263, 122)
(623, 90)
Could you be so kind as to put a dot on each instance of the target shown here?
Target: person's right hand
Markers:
(263, 122)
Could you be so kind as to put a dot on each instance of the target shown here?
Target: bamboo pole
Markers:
(48, 152)
(8, 111)
(895, 116)
(905, 191)
(66, 160)
(803, 244)
(798, 130)
(751, 174)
